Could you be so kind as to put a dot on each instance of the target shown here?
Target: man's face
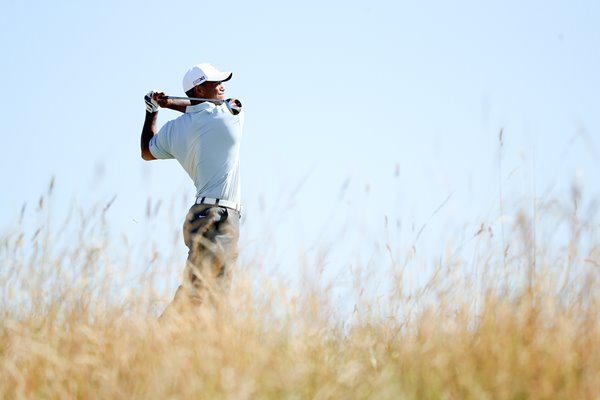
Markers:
(211, 90)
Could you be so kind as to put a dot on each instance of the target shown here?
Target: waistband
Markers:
(218, 202)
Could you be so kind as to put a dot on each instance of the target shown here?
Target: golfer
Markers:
(205, 140)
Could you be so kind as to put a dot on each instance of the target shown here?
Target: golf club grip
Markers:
(173, 98)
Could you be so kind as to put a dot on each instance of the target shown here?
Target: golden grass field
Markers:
(525, 326)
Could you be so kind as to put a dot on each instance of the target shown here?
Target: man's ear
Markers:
(198, 91)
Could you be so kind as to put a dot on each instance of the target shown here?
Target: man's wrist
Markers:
(152, 116)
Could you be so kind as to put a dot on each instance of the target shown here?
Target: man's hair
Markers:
(190, 93)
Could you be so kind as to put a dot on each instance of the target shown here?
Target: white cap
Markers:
(201, 73)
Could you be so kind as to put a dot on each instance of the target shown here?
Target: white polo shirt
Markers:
(206, 142)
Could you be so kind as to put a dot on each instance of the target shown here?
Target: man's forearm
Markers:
(148, 132)
(178, 105)
(174, 104)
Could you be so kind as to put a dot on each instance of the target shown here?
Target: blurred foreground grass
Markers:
(524, 326)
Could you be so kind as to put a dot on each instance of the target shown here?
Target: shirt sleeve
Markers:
(161, 145)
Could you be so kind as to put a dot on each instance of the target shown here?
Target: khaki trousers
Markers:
(211, 234)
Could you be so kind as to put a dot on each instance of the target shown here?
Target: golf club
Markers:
(233, 105)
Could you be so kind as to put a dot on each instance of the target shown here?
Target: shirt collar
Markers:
(207, 105)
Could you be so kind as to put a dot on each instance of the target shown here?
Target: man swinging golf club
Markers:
(205, 140)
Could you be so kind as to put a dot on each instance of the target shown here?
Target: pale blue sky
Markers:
(356, 112)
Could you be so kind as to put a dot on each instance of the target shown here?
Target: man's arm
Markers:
(148, 132)
(154, 100)
(173, 104)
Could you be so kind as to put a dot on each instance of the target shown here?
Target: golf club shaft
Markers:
(193, 98)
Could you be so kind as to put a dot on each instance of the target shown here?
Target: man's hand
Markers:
(162, 100)
(152, 105)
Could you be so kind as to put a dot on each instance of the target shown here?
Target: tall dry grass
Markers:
(519, 322)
